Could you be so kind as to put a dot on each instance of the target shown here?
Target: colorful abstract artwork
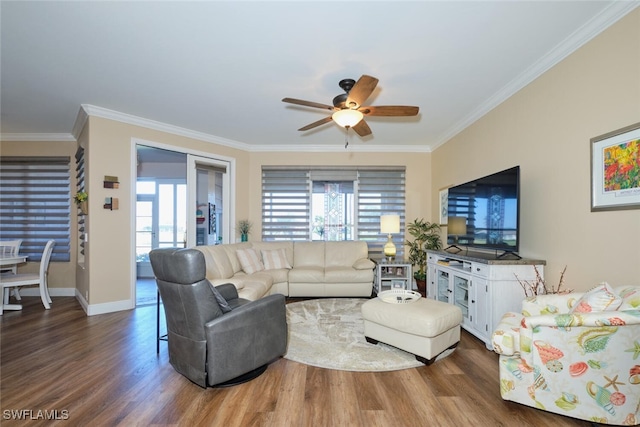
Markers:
(622, 166)
(615, 169)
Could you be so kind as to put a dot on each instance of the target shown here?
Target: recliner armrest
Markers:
(228, 291)
(241, 340)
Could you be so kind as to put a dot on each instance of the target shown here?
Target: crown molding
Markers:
(37, 137)
(92, 110)
(577, 39)
(354, 147)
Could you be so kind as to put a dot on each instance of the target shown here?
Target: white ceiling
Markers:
(219, 69)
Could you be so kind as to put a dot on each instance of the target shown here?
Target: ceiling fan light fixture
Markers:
(347, 117)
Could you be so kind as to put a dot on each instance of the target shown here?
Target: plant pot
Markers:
(84, 207)
(422, 286)
(244, 237)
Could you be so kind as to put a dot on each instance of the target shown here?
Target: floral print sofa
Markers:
(575, 354)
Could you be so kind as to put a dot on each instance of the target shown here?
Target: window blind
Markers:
(35, 201)
(380, 192)
(286, 202)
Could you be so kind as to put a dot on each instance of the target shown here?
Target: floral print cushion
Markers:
(550, 304)
(630, 298)
(582, 365)
(600, 298)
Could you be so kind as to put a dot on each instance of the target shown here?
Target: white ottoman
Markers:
(424, 327)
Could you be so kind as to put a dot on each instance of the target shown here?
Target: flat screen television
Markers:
(490, 209)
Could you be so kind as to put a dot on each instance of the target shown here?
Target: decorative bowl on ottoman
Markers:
(399, 296)
(424, 328)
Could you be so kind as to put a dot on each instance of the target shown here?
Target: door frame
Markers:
(229, 190)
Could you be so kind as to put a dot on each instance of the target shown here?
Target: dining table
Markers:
(8, 260)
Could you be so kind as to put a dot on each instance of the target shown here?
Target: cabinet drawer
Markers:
(481, 270)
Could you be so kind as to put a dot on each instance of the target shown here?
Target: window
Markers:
(302, 203)
(35, 204)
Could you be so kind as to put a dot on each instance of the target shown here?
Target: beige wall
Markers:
(546, 129)
(109, 251)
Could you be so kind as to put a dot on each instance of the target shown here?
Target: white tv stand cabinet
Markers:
(482, 286)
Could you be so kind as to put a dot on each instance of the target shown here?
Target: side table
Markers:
(393, 275)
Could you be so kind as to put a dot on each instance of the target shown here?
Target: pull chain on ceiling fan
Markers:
(348, 111)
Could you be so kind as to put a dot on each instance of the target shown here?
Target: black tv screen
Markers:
(491, 208)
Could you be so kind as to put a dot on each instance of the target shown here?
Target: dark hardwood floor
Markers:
(104, 371)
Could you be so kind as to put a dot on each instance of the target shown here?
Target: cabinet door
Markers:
(461, 296)
(431, 281)
(442, 282)
(478, 306)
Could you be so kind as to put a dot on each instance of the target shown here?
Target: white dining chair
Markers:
(10, 248)
(29, 279)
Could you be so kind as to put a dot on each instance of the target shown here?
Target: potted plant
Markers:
(425, 236)
(244, 227)
(81, 198)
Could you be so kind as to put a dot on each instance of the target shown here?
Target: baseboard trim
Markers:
(90, 309)
(54, 292)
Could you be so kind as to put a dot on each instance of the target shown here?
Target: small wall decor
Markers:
(111, 203)
(615, 170)
(444, 206)
(111, 182)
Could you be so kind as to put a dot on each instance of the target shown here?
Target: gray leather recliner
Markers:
(215, 338)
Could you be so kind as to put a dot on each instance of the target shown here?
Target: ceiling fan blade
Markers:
(361, 91)
(308, 103)
(389, 110)
(317, 123)
(362, 128)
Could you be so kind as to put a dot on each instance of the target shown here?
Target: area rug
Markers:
(329, 333)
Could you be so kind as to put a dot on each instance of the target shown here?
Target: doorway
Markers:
(161, 211)
(182, 200)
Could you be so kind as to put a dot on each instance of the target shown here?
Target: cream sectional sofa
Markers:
(296, 269)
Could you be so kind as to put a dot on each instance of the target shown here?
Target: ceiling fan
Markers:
(348, 109)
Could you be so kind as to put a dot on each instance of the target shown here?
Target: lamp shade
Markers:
(390, 224)
(457, 225)
(347, 117)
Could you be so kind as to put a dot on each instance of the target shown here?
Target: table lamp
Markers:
(389, 224)
(456, 227)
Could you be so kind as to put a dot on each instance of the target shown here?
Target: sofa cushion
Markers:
(236, 281)
(216, 261)
(231, 249)
(312, 274)
(344, 254)
(275, 259)
(249, 260)
(280, 275)
(600, 298)
(272, 245)
(630, 297)
(308, 254)
(347, 274)
(256, 285)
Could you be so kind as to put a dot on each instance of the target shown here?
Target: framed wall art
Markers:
(615, 170)
(444, 206)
